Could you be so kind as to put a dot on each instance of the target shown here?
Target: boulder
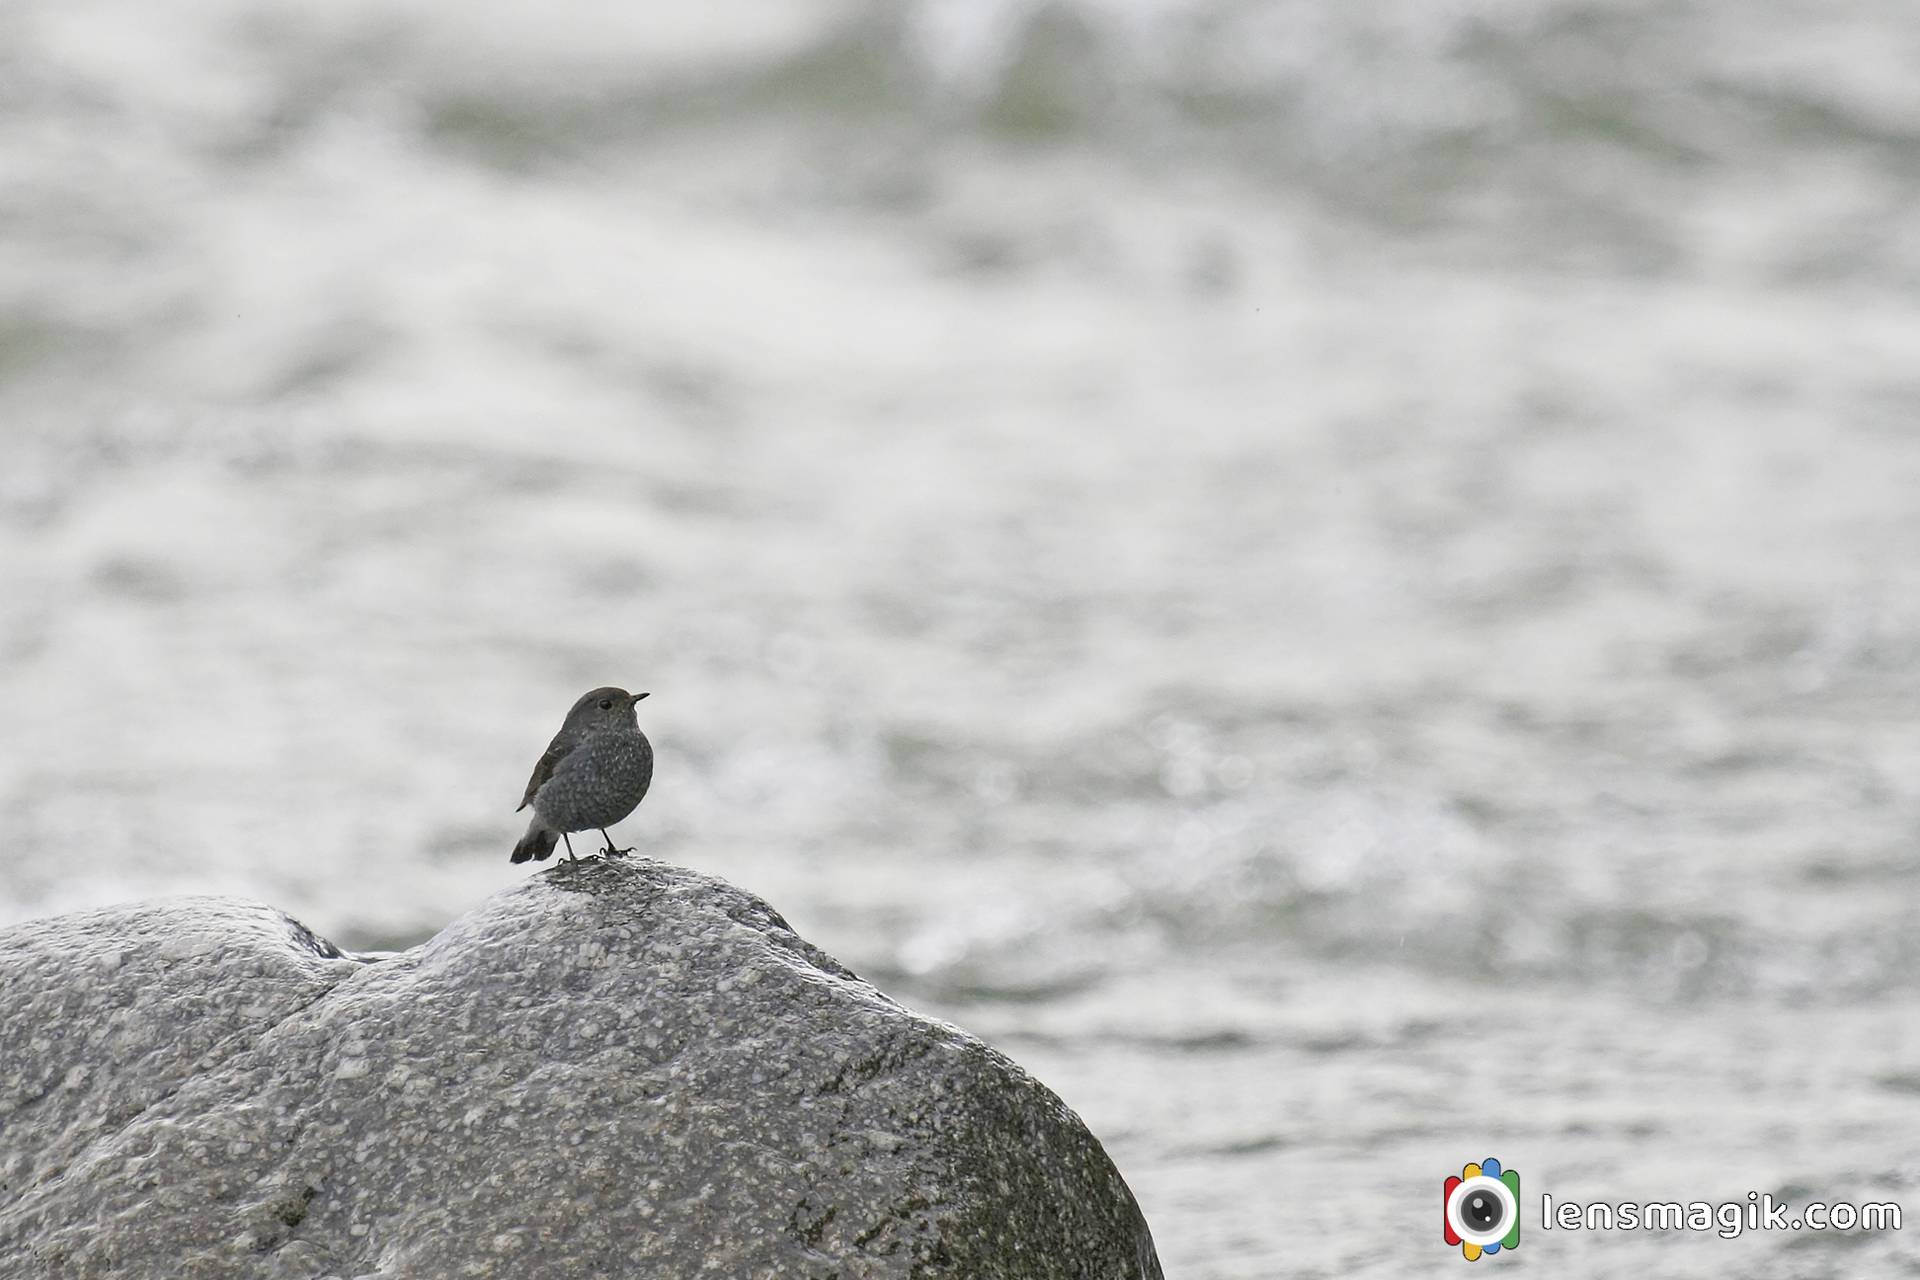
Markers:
(618, 1068)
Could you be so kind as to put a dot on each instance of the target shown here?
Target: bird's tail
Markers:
(537, 844)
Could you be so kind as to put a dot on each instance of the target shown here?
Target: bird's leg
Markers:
(571, 856)
(610, 851)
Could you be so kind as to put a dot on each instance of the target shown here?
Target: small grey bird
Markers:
(595, 772)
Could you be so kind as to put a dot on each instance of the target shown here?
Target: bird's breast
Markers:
(598, 783)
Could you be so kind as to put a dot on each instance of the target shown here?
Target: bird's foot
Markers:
(612, 852)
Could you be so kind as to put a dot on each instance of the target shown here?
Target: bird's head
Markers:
(604, 707)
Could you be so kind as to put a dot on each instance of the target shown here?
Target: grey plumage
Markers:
(594, 773)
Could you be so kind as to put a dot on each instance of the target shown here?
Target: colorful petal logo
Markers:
(1480, 1209)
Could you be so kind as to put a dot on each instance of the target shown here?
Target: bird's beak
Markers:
(638, 696)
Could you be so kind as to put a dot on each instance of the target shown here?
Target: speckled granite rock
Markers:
(616, 1069)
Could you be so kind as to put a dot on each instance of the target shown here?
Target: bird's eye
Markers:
(606, 704)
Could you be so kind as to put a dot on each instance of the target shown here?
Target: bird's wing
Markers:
(544, 770)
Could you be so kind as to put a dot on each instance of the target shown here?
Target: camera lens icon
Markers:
(1482, 1209)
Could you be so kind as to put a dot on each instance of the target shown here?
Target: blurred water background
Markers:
(1340, 580)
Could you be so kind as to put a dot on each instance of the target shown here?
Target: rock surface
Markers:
(619, 1068)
